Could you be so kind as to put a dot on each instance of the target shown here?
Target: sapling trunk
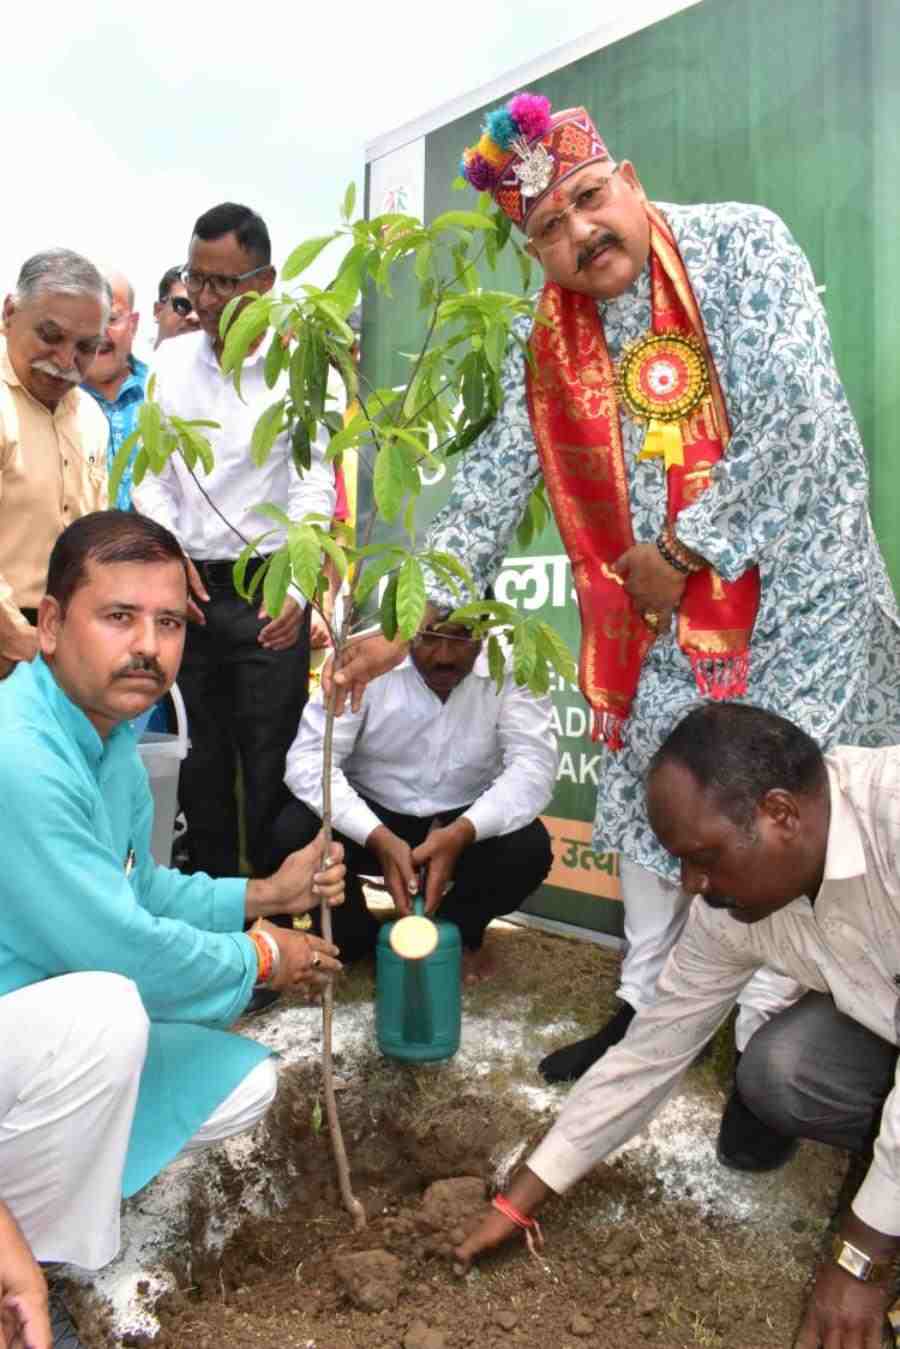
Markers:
(351, 1203)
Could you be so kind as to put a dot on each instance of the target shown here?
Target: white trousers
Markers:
(70, 1065)
(655, 914)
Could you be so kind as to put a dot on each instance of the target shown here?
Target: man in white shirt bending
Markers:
(244, 675)
(437, 770)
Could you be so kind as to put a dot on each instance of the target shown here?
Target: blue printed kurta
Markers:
(74, 808)
(790, 496)
(121, 413)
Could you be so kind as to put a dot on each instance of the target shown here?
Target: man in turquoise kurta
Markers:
(79, 890)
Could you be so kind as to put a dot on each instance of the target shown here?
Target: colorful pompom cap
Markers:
(525, 150)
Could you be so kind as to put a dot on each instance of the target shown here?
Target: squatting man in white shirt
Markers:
(437, 770)
(806, 848)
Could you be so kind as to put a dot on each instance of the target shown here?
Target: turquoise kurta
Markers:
(74, 808)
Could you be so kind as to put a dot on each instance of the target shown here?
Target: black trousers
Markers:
(493, 876)
(243, 705)
(813, 1072)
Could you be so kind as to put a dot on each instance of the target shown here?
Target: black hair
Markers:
(105, 537)
(738, 753)
(247, 227)
(167, 281)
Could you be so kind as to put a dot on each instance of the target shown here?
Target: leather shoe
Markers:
(746, 1144)
(570, 1062)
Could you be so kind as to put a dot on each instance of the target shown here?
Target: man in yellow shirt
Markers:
(52, 436)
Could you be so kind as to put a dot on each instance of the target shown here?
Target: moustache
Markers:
(141, 665)
(47, 368)
(605, 240)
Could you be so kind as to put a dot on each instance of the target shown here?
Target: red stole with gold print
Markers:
(573, 397)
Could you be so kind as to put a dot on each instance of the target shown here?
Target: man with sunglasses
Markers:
(116, 379)
(703, 465)
(438, 775)
(174, 309)
(245, 674)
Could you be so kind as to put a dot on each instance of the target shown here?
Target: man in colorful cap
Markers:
(710, 486)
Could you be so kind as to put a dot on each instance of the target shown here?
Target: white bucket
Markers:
(162, 754)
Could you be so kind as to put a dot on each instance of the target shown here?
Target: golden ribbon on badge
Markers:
(662, 378)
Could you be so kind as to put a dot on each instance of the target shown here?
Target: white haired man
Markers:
(116, 379)
(53, 437)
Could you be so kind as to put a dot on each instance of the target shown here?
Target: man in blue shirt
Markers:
(117, 379)
(81, 897)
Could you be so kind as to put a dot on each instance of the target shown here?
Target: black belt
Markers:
(222, 573)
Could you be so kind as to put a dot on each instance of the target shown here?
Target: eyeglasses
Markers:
(181, 304)
(432, 637)
(590, 199)
(223, 287)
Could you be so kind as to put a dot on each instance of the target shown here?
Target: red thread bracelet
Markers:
(534, 1237)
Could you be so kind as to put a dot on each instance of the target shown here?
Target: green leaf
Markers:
(150, 428)
(524, 262)
(556, 651)
(495, 345)
(123, 454)
(301, 446)
(409, 519)
(239, 571)
(297, 377)
(388, 481)
(266, 431)
(460, 184)
(524, 653)
(423, 262)
(305, 556)
(247, 328)
(316, 373)
(349, 201)
(273, 512)
(372, 573)
(139, 472)
(278, 578)
(315, 1118)
(452, 565)
(277, 358)
(468, 220)
(304, 255)
(479, 610)
(349, 435)
(472, 387)
(388, 610)
(334, 551)
(496, 661)
(410, 598)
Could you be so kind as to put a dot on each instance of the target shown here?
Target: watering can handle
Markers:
(418, 906)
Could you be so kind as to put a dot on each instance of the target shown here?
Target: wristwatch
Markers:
(857, 1263)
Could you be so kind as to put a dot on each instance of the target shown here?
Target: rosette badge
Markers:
(662, 378)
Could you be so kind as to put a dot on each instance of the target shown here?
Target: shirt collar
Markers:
(73, 720)
(131, 390)
(845, 855)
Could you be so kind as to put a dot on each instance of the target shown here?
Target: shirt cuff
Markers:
(357, 821)
(714, 547)
(230, 904)
(486, 819)
(877, 1201)
(557, 1163)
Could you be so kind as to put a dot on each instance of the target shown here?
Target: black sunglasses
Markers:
(181, 304)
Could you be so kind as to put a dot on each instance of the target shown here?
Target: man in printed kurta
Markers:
(81, 896)
(703, 464)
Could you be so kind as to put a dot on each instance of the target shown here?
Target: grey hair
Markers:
(113, 274)
(62, 272)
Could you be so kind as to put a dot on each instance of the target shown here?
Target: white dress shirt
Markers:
(190, 384)
(418, 756)
(847, 945)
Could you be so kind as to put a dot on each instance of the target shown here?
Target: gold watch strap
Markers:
(851, 1259)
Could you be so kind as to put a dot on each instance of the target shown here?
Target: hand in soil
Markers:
(843, 1313)
(493, 1230)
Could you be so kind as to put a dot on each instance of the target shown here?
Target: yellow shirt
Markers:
(52, 471)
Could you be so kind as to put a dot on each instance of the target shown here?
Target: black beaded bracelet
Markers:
(672, 560)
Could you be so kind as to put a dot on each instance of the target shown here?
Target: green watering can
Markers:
(418, 1003)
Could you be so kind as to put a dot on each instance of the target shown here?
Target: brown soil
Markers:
(623, 1265)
